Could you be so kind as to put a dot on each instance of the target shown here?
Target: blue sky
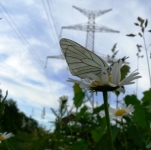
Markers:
(27, 39)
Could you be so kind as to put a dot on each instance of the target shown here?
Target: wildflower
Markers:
(118, 113)
(108, 80)
(5, 136)
(63, 99)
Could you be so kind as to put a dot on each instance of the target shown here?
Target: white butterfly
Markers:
(80, 60)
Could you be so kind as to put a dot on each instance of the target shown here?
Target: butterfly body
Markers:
(80, 60)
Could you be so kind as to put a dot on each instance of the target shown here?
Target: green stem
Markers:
(124, 134)
(70, 128)
(137, 79)
(108, 118)
(147, 59)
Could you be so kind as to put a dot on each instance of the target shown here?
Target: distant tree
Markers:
(12, 119)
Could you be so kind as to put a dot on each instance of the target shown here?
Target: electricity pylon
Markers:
(90, 27)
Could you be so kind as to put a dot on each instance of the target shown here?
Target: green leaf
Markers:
(128, 118)
(142, 23)
(131, 99)
(78, 95)
(115, 131)
(78, 99)
(104, 143)
(77, 88)
(131, 35)
(97, 133)
(146, 23)
(117, 93)
(5, 96)
(147, 97)
(98, 109)
(114, 47)
(80, 146)
(139, 19)
(143, 29)
(146, 103)
(115, 53)
(2, 105)
(82, 112)
(136, 134)
(101, 121)
(140, 34)
(139, 116)
(136, 24)
(124, 71)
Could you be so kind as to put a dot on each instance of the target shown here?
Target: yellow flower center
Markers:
(99, 82)
(96, 83)
(120, 112)
(110, 79)
(1, 137)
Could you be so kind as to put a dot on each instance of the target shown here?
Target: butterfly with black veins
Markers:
(95, 73)
(80, 60)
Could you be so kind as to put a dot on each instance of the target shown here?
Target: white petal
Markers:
(114, 71)
(129, 83)
(86, 81)
(128, 79)
(112, 110)
(83, 85)
(74, 81)
(124, 106)
(111, 84)
(121, 90)
(104, 76)
(4, 133)
(133, 78)
(118, 78)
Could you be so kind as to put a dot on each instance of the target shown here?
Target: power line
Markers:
(20, 35)
(50, 23)
(52, 16)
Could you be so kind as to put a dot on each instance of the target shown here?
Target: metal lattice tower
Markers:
(91, 27)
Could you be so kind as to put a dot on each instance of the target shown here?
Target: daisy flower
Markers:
(63, 99)
(5, 136)
(118, 113)
(108, 80)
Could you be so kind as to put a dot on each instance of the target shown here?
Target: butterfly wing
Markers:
(80, 60)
